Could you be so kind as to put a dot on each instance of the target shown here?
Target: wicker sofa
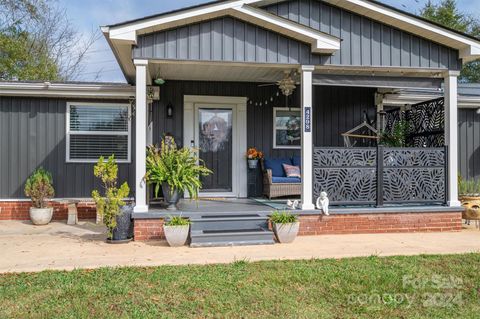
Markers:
(275, 183)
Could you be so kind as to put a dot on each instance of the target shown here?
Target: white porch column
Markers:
(451, 135)
(307, 138)
(140, 136)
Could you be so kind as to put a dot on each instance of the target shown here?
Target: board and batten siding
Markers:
(335, 111)
(365, 42)
(32, 135)
(469, 143)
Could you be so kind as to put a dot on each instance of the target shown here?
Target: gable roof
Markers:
(123, 35)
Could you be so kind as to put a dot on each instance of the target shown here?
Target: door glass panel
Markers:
(215, 144)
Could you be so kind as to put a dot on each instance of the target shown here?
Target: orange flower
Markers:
(252, 153)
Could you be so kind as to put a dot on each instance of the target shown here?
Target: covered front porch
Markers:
(328, 105)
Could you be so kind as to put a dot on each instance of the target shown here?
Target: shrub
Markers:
(283, 217)
(39, 188)
(177, 221)
(109, 203)
(179, 168)
(468, 186)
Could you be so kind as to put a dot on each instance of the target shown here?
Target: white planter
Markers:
(176, 235)
(252, 164)
(286, 233)
(41, 216)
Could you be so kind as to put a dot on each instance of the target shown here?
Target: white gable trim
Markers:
(320, 42)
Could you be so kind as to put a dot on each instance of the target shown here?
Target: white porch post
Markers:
(307, 138)
(451, 135)
(140, 136)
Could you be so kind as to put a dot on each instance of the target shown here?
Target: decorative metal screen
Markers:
(377, 176)
(414, 175)
(348, 175)
(426, 123)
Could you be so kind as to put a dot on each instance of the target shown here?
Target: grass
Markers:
(374, 287)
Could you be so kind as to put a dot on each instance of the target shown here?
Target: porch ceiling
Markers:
(267, 73)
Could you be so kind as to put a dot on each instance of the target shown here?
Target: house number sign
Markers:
(307, 121)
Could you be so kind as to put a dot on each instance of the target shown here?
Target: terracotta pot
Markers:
(176, 235)
(471, 203)
(286, 233)
(41, 216)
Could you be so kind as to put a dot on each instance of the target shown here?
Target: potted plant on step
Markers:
(176, 231)
(253, 156)
(175, 170)
(39, 188)
(110, 205)
(285, 226)
(469, 196)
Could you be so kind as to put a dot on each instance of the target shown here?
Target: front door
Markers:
(215, 143)
(217, 127)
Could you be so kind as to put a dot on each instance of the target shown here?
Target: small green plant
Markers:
(468, 186)
(177, 221)
(179, 168)
(283, 217)
(398, 136)
(109, 203)
(39, 188)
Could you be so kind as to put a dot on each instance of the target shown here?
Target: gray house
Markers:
(230, 68)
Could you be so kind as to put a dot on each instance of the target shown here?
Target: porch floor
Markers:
(264, 207)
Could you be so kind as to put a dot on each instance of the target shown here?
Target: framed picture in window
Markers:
(287, 123)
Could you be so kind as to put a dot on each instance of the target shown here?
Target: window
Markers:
(287, 124)
(95, 130)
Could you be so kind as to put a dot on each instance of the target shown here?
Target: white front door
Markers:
(216, 126)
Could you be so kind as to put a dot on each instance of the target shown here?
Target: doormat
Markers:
(280, 204)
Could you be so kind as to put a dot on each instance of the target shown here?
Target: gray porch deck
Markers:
(204, 207)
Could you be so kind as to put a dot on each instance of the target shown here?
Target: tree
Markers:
(447, 13)
(37, 42)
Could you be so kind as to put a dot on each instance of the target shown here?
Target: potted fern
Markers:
(176, 231)
(110, 205)
(285, 226)
(175, 170)
(39, 188)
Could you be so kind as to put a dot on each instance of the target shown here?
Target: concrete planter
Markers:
(171, 198)
(286, 233)
(176, 235)
(41, 216)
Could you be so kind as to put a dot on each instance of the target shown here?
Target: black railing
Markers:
(380, 175)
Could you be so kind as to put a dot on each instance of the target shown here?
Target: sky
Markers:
(100, 64)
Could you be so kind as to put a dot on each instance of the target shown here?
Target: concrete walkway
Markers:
(28, 248)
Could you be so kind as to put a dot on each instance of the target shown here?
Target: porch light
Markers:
(169, 110)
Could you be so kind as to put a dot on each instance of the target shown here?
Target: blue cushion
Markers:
(275, 164)
(276, 179)
(297, 161)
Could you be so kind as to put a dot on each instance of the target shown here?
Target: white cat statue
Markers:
(323, 202)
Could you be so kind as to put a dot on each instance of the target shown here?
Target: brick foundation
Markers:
(19, 210)
(152, 229)
(380, 223)
(148, 229)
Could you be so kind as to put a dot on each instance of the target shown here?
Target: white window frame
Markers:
(274, 138)
(69, 132)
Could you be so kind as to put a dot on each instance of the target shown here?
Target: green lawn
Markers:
(397, 287)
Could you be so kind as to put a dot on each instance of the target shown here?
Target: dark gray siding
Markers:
(336, 110)
(469, 143)
(364, 41)
(32, 134)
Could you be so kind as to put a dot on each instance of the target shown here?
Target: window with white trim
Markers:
(98, 129)
(287, 124)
